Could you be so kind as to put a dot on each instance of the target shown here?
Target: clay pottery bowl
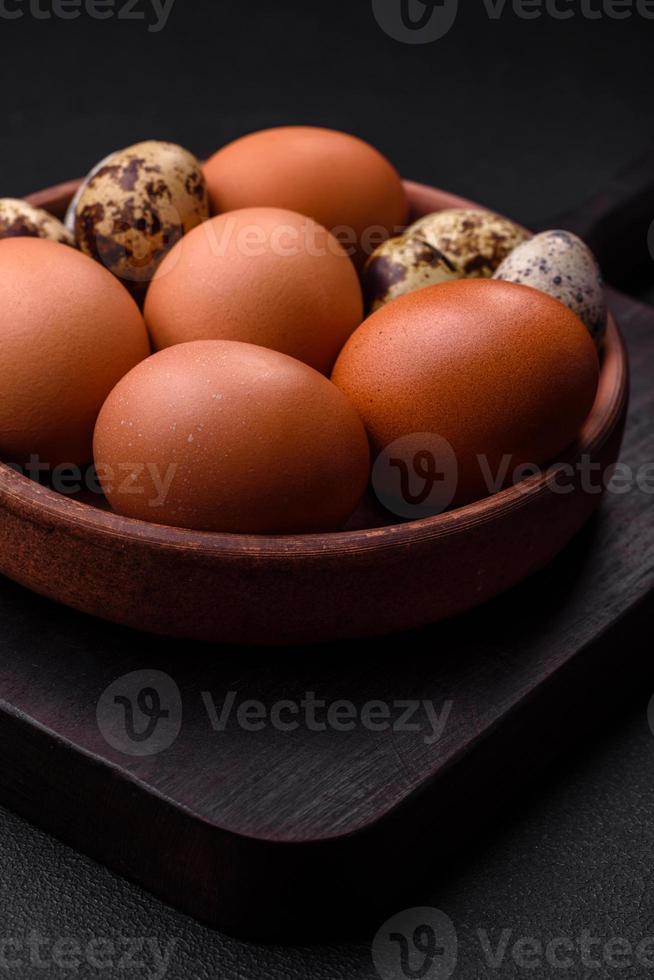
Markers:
(376, 577)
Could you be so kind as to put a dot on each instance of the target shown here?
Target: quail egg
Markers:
(18, 219)
(401, 265)
(475, 241)
(560, 264)
(135, 205)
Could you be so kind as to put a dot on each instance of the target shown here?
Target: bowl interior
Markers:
(89, 506)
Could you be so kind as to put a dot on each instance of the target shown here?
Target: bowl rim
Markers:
(21, 493)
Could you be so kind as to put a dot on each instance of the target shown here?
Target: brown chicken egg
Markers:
(18, 219)
(224, 436)
(337, 179)
(135, 205)
(70, 331)
(502, 377)
(260, 275)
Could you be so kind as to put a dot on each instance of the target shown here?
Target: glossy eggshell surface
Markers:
(561, 265)
(263, 276)
(18, 219)
(135, 205)
(499, 370)
(224, 436)
(70, 331)
(400, 266)
(475, 241)
(337, 179)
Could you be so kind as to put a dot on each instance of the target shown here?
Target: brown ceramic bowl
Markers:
(376, 578)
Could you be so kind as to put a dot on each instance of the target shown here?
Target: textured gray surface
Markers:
(528, 117)
(576, 856)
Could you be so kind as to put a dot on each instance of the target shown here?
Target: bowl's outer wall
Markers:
(275, 591)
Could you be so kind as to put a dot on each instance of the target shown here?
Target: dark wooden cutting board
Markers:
(275, 833)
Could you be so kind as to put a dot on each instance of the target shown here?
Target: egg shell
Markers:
(337, 179)
(136, 204)
(263, 276)
(496, 369)
(70, 331)
(475, 241)
(246, 440)
(561, 265)
(401, 265)
(18, 219)
(71, 211)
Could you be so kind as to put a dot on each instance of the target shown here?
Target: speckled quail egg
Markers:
(69, 219)
(135, 205)
(475, 241)
(560, 264)
(18, 219)
(401, 265)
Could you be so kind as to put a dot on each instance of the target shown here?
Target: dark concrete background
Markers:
(527, 116)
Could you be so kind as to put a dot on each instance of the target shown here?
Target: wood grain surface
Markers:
(290, 834)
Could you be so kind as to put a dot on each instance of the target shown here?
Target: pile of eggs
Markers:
(233, 345)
